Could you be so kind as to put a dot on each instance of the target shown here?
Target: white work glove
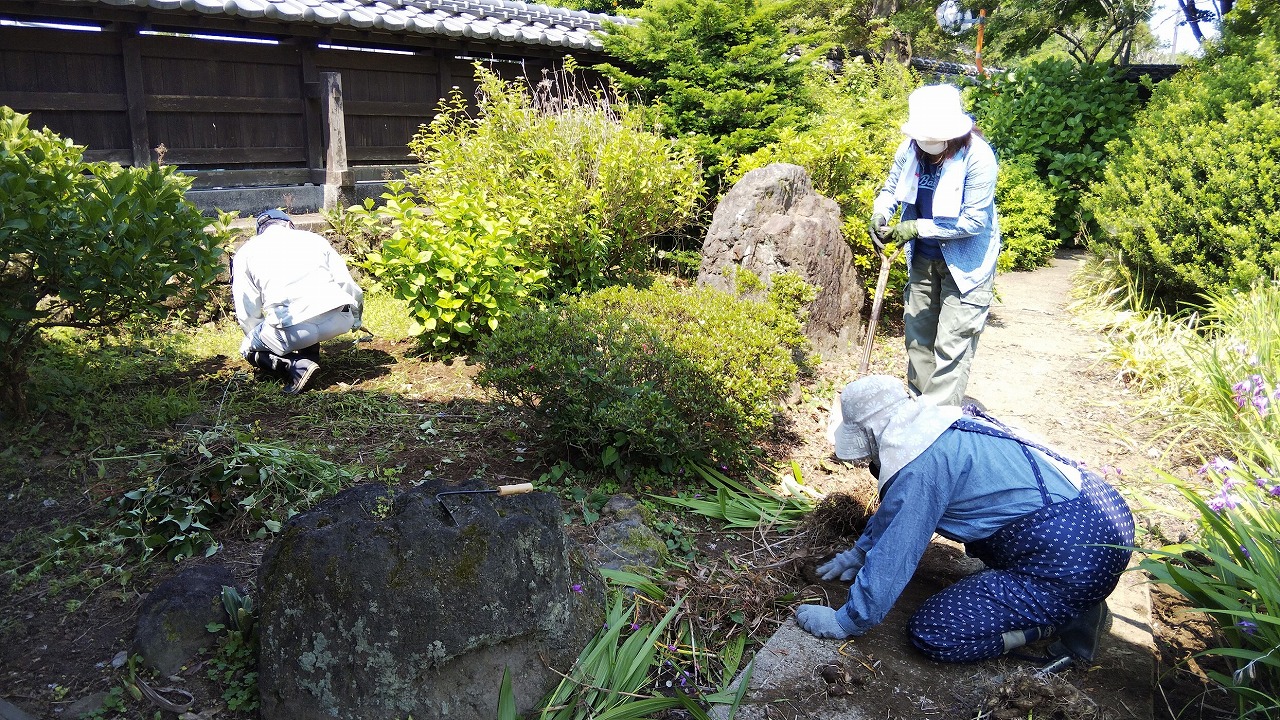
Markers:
(820, 620)
(843, 566)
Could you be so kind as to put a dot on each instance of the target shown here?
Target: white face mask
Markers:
(933, 148)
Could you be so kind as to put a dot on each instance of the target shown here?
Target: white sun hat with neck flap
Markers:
(936, 114)
(875, 417)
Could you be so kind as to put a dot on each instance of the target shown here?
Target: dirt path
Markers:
(1038, 370)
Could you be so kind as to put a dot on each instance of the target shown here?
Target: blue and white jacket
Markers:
(964, 209)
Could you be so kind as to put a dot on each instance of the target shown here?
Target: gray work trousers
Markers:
(284, 340)
(942, 328)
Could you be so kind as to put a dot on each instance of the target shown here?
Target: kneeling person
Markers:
(292, 291)
(1050, 533)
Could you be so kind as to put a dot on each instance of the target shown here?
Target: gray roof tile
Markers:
(501, 20)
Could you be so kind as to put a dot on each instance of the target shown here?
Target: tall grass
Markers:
(1211, 375)
(1211, 379)
(1232, 572)
(612, 677)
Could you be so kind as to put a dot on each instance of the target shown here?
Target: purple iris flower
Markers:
(1247, 627)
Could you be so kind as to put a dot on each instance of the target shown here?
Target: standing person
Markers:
(1052, 535)
(943, 179)
(292, 291)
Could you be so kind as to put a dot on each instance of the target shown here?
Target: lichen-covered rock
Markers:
(624, 541)
(373, 609)
(772, 221)
(173, 621)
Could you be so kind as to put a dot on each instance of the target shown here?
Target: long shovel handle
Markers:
(886, 261)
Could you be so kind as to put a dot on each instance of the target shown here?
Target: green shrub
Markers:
(88, 245)
(657, 375)
(1193, 198)
(1026, 205)
(720, 73)
(584, 185)
(458, 265)
(1061, 116)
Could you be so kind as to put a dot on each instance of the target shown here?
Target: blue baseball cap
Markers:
(272, 214)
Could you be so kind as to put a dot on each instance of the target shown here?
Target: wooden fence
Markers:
(292, 110)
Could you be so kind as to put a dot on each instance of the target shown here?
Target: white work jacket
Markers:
(286, 276)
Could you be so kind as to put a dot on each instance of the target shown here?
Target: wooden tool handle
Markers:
(516, 489)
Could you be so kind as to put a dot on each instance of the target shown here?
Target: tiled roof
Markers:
(508, 21)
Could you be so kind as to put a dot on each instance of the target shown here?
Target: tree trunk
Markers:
(1192, 14)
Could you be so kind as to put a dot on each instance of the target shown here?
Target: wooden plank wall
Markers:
(74, 88)
(233, 114)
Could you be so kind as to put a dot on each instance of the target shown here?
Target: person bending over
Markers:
(292, 291)
(1053, 536)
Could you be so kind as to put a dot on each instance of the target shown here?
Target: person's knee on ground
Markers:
(959, 643)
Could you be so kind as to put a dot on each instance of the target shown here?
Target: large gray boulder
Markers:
(373, 609)
(772, 221)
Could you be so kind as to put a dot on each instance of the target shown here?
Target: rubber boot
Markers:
(1079, 638)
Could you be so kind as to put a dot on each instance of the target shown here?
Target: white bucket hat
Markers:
(875, 417)
(936, 114)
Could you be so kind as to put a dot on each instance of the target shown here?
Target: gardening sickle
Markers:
(501, 490)
(886, 260)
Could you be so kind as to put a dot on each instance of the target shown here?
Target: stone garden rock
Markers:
(373, 608)
(772, 221)
(173, 620)
(624, 540)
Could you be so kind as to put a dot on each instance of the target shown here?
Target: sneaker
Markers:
(300, 371)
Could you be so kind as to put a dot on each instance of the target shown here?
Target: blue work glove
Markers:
(878, 226)
(820, 620)
(843, 566)
(904, 231)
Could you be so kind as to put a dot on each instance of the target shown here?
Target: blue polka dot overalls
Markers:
(1043, 569)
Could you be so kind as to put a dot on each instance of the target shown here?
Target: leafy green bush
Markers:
(459, 265)
(657, 375)
(581, 183)
(1026, 206)
(1060, 115)
(1193, 198)
(719, 73)
(88, 245)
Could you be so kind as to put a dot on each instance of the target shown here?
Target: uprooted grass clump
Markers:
(839, 517)
(1027, 693)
